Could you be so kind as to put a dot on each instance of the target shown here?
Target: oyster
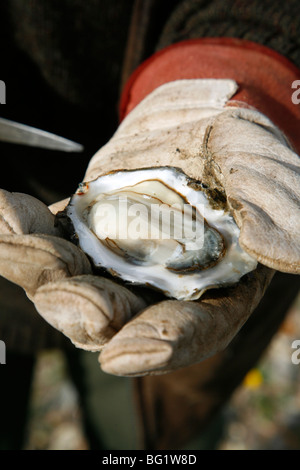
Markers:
(156, 227)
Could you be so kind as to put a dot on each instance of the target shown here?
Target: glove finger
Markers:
(33, 260)
(261, 178)
(87, 309)
(174, 334)
(24, 214)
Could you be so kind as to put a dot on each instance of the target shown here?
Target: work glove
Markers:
(236, 152)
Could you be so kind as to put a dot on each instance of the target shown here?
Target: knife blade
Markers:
(17, 133)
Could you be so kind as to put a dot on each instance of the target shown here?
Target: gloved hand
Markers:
(235, 151)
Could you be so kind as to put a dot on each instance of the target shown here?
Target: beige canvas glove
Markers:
(239, 154)
(86, 308)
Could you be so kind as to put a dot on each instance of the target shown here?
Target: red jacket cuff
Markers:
(264, 77)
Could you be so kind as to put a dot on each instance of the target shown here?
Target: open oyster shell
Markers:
(158, 227)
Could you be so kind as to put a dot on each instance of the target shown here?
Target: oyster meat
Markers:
(155, 227)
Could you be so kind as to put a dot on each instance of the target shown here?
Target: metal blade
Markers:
(16, 133)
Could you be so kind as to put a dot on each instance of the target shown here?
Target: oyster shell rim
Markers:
(85, 186)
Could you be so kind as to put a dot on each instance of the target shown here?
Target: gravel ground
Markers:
(264, 413)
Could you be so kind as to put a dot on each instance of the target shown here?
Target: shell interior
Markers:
(152, 227)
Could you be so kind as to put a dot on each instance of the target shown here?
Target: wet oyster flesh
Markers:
(152, 227)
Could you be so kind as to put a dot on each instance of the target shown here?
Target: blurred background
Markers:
(264, 412)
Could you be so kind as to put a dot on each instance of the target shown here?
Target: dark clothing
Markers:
(64, 63)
